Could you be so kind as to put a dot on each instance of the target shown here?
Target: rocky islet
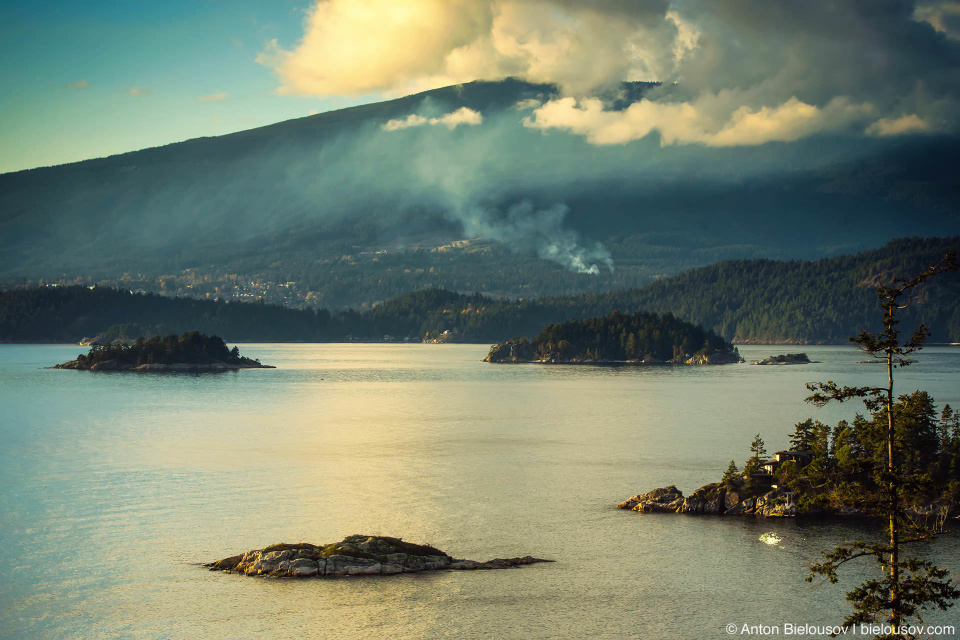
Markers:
(355, 555)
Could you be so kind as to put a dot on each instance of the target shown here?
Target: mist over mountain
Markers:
(369, 202)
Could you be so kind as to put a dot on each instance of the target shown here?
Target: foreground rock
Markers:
(785, 358)
(178, 367)
(354, 555)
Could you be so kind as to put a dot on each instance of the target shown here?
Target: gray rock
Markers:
(662, 496)
(707, 499)
(304, 568)
(732, 499)
(715, 358)
(776, 504)
(354, 555)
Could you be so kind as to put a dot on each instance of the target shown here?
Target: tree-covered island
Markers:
(192, 351)
(640, 338)
(835, 470)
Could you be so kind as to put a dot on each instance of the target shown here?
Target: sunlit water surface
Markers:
(113, 487)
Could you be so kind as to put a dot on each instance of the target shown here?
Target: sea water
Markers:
(114, 487)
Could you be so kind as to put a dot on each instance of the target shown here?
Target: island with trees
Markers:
(191, 351)
(836, 470)
(639, 338)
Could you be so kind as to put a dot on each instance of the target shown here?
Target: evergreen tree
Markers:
(803, 436)
(731, 473)
(758, 448)
(909, 585)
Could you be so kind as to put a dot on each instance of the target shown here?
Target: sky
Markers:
(86, 79)
(89, 79)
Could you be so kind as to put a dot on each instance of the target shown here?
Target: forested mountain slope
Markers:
(823, 301)
(353, 212)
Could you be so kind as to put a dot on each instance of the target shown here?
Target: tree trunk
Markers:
(896, 617)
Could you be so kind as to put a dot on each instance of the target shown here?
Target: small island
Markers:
(640, 338)
(192, 352)
(352, 556)
(785, 359)
(835, 470)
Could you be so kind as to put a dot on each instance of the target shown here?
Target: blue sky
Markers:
(89, 79)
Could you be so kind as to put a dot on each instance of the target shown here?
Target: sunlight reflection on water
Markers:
(115, 486)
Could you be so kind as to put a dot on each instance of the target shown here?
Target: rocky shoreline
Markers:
(732, 500)
(156, 367)
(353, 556)
(714, 498)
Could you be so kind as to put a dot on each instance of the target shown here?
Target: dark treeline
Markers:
(765, 301)
(192, 347)
(67, 314)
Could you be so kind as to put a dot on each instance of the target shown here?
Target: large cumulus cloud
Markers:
(733, 71)
(397, 46)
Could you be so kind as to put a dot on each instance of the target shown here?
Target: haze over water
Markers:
(114, 486)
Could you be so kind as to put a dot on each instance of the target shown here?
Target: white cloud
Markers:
(360, 46)
(452, 120)
(911, 123)
(734, 72)
(463, 115)
(216, 96)
(82, 84)
(529, 103)
(944, 16)
(787, 122)
(137, 91)
(698, 122)
(412, 120)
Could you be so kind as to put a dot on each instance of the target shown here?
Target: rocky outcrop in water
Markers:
(352, 556)
(714, 498)
(663, 499)
(512, 351)
(715, 358)
(785, 359)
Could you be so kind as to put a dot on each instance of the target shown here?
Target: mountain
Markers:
(765, 301)
(338, 209)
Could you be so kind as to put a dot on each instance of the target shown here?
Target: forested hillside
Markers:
(765, 301)
(823, 301)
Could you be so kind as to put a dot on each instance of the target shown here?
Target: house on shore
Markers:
(767, 475)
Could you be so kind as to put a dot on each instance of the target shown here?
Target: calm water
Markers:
(113, 487)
